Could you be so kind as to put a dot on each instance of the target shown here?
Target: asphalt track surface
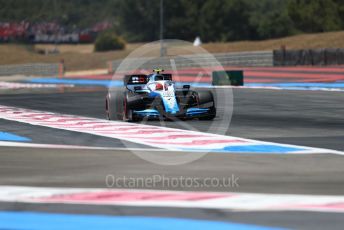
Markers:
(309, 118)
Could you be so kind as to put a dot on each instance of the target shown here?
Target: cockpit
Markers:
(160, 77)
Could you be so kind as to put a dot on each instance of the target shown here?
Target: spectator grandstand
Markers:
(49, 32)
(10, 30)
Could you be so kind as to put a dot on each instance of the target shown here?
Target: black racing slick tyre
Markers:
(114, 105)
(205, 97)
(206, 100)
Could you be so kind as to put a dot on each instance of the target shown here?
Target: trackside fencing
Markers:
(260, 58)
(318, 57)
(35, 69)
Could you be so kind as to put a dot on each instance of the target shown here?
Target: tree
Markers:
(314, 15)
(270, 19)
(139, 20)
(213, 20)
(225, 20)
(107, 41)
(182, 19)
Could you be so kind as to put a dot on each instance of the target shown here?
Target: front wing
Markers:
(189, 113)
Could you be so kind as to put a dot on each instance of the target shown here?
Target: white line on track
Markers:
(20, 85)
(57, 146)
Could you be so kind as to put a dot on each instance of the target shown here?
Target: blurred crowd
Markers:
(49, 32)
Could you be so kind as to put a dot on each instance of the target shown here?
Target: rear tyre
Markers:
(127, 114)
(114, 105)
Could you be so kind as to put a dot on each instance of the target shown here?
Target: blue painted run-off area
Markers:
(4, 136)
(258, 148)
(118, 83)
(43, 221)
(86, 82)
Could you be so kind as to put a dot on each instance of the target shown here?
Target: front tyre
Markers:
(210, 116)
(206, 100)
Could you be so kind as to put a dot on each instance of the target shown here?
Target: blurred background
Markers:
(51, 30)
(276, 68)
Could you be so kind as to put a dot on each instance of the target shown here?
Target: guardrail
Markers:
(259, 58)
(35, 69)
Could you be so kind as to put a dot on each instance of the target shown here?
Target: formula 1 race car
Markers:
(156, 96)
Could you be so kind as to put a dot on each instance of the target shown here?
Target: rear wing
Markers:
(135, 79)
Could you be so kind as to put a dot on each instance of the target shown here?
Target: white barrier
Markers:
(59, 38)
(34, 69)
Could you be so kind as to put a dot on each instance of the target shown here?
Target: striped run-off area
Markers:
(252, 74)
(180, 199)
(155, 136)
(291, 78)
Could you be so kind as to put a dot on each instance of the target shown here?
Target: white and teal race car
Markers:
(155, 96)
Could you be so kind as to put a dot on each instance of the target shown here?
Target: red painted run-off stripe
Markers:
(297, 69)
(132, 196)
(206, 199)
(339, 69)
(262, 78)
(176, 199)
(292, 75)
(255, 74)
